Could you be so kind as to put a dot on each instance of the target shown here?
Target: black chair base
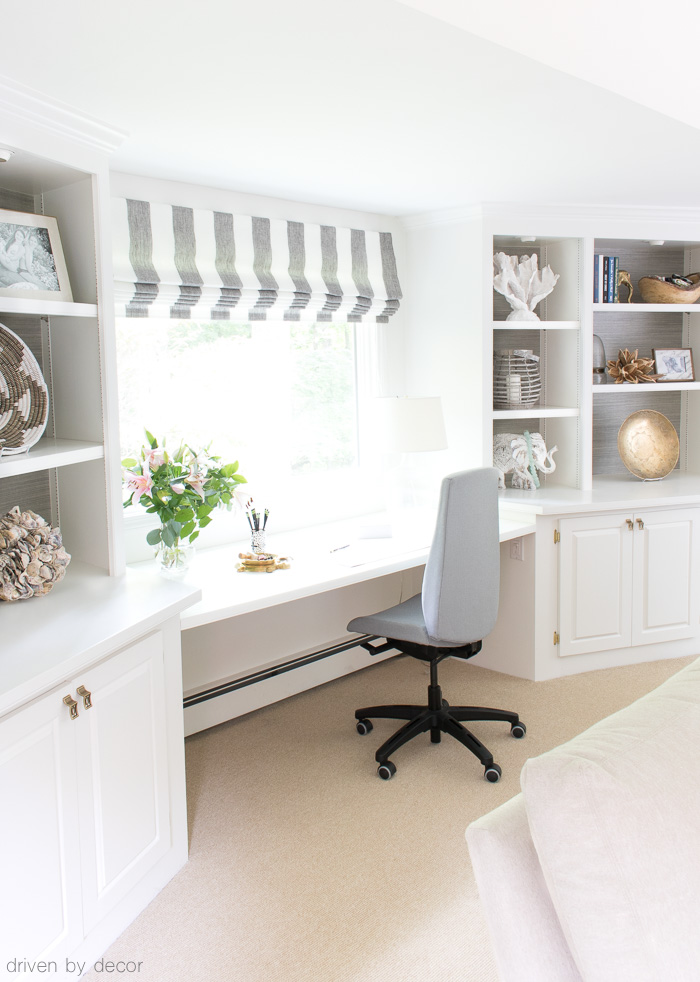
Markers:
(438, 717)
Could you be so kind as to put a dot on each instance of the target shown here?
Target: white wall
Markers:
(444, 336)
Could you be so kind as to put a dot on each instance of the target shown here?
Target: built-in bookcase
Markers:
(556, 339)
(70, 476)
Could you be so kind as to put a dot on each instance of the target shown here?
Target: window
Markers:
(281, 398)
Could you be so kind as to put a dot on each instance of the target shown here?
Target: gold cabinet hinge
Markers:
(557, 536)
(556, 638)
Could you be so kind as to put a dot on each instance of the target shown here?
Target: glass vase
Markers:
(174, 560)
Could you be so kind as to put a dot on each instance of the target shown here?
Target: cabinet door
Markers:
(595, 584)
(665, 606)
(123, 775)
(40, 905)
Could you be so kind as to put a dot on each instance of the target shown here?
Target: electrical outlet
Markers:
(516, 548)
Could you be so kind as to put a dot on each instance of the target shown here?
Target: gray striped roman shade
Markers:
(187, 263)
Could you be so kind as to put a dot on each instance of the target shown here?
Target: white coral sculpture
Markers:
(522, 284)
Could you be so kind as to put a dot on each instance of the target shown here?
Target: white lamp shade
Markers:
(413, 425)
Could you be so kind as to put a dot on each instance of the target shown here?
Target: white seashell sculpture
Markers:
(522, 284)
(32, 557)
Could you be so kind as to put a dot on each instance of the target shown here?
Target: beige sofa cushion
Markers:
(527, 938)
(615, 818)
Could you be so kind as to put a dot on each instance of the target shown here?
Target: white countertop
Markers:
(608, 493)
(44, 640)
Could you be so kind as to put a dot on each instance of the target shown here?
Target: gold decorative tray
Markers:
(648, 445)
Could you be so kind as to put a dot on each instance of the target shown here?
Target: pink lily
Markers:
(197, 482)
(138, 484)
(154, 457)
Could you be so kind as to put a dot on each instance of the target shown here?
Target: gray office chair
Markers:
(455, 610)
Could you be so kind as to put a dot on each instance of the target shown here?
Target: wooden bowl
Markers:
(655, 289)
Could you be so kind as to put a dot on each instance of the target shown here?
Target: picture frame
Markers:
(674, 364)
(32, 264)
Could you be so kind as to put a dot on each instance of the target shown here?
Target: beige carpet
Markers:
(306, 867)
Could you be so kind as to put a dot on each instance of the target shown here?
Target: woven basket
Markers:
(657, 290)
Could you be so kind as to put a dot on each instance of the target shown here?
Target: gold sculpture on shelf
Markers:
(648, 445)
(631, 368)
(623, 279)
(261, 562)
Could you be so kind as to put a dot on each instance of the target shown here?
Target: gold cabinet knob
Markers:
(640, 523)
(72, 706)
(630, 524)
(87, 701)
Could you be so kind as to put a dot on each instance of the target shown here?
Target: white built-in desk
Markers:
(254, 638)
(314, 568)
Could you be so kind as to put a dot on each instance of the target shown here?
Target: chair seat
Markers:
(404, 622)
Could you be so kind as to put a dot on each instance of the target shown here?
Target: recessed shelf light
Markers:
(528, 238)
(5, 155)
(656, 241)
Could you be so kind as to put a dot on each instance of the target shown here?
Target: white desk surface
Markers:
(313, 568)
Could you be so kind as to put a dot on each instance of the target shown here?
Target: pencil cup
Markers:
(257, 541)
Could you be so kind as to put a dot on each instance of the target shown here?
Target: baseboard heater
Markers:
(287, 666)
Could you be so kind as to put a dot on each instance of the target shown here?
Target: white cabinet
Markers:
(40, 905)
(627, 578)
(88, 791)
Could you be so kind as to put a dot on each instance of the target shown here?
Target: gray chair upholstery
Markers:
(455, 610)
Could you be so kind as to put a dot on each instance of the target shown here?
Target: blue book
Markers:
(596, 280)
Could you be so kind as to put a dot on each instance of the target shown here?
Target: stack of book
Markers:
(605, 276)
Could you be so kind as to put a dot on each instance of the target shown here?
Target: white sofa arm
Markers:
(528, 941)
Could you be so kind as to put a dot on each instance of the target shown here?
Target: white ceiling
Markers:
(375, 104)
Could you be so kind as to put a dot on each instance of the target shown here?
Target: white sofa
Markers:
(592, 873)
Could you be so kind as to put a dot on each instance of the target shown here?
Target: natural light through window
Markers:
(281, 398)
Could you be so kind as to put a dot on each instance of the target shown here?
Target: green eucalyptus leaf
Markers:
(153, 537)
(193, 536)
(187, 529)
(203, 522)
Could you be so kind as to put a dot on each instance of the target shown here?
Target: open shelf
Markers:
(49, 453)
(535, 325)
(536, 412)
(647, 308)
(46, 308)
(628, 387)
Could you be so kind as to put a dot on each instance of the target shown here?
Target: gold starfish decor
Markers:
(631, 368)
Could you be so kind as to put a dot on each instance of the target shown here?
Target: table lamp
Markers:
(408, 427)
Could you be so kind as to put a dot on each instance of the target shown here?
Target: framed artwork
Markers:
(675, 364)
(31, 258)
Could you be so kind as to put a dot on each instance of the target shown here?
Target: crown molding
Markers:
(29, 105)
(533, 213)
(446, 216)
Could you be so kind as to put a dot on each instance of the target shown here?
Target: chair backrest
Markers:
(462, 574)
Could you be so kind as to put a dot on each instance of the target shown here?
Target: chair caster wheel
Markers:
(518, 730)
(492, 773)
(363, 726)
(386, 770)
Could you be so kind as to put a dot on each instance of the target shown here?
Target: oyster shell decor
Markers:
(32, 557)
